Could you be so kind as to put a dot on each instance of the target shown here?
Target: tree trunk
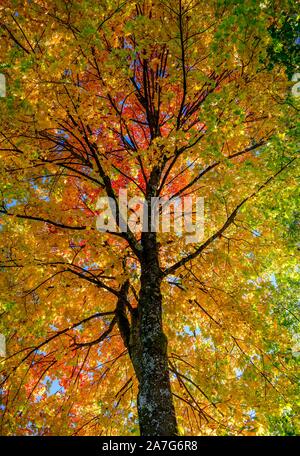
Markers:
(149, 350)
(146, 341)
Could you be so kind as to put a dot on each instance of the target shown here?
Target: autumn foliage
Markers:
(161, 98)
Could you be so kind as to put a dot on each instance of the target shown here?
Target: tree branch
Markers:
(227, 223)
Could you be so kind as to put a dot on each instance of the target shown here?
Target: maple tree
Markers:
(134, 332)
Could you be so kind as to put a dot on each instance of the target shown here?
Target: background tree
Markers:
(163, 98)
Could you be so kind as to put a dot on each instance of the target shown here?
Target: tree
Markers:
(161, 98)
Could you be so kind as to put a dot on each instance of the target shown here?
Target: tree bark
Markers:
(155, 403)
(147, 347)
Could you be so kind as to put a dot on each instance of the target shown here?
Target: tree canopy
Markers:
(162, 98)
